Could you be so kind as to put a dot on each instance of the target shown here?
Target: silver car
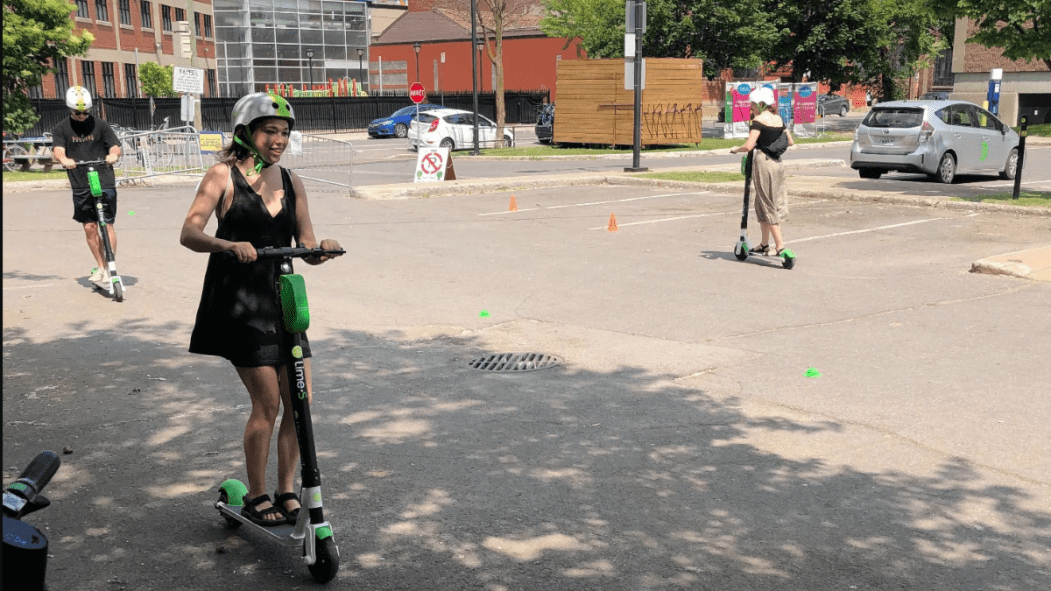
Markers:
(938, 138)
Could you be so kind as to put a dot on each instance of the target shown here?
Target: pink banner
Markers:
(804, 109)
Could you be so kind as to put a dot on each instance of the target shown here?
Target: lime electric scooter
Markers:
(742, 248)
(311, 531)
(115, 285)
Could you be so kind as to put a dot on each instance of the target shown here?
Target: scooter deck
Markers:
(105, 286)
(280, 533)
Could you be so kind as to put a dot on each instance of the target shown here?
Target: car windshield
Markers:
(894, 117)
(404, 111)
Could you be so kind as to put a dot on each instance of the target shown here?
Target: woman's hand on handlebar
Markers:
(68, 163)
(327, 244)
(243, 251)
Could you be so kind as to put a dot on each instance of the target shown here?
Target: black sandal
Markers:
(763, 249)
(281, 499)
(260, 517)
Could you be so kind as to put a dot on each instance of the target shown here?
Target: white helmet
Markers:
(78, 98)
(762, 96)
(262, 104)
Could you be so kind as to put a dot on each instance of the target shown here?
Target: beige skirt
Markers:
(771, 196)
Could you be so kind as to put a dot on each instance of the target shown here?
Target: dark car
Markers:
(397, 124)
(545, 124)
(832, 104)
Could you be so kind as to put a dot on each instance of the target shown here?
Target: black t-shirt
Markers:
(90, 139)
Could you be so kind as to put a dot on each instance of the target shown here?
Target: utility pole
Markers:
(636, 12)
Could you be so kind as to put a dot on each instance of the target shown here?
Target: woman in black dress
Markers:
(257, 204)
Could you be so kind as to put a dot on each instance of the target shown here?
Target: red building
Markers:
(445, 52)
(129, 33)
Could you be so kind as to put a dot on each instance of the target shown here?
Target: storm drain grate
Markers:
(515, 362)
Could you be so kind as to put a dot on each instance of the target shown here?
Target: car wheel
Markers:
(870, 173)
(843, 111)
(1011, 168)
(947, 169)
(507, 142)
(447, 143)
(401, 130)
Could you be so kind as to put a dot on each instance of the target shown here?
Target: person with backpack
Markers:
(769, 137)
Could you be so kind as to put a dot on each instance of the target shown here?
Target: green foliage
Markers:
(156, 79)
(722, 33)
(1022, 28)
(36, 32)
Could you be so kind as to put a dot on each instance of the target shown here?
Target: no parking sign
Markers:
(433, 164)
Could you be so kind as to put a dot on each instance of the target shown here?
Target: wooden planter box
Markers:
(594, 108)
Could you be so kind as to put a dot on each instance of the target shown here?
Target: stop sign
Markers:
(417, 92)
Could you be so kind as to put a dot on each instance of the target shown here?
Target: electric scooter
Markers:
(115, 285)
(25, 547)
(741, 249)
(311, 531)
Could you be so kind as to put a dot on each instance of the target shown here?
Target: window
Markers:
(208, 25)
(197, 24)
(146, 14)
(131, 81)
(125, 12)
(87, 70)
(180, 14)
(166, 18)
(102, 10)
(82, 9)
(109, 84)
(36, 92)
(61, 78)
(211, 83)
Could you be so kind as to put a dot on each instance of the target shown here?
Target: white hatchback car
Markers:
(454, 129)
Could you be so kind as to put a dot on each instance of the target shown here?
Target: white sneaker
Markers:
(98, 275)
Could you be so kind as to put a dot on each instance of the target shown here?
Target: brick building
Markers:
(444, 60)
(129, 33)
(1026, 84)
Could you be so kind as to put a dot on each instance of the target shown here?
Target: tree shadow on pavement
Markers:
(438, 476)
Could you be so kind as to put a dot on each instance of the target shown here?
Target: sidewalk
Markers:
(1034, 263)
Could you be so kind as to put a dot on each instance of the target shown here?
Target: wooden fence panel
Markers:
(594, 107)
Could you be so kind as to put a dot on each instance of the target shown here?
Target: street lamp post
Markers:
(310, 56)
(474, 72)
(361, 52)
(416, 47)
(481, 81)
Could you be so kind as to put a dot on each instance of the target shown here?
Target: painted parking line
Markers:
(697, 215)
(876, 229)
(1010, 185)
(590, 203)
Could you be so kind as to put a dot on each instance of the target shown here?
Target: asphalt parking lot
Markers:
(684, 443)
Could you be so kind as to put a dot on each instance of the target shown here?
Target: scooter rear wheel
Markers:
(232, 492)
(327, 564)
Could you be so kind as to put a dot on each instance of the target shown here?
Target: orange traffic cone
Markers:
(514, 204)
(612, 227)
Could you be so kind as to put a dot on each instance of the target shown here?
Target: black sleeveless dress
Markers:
(239, 314)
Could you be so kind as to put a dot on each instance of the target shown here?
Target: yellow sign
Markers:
(211, 141)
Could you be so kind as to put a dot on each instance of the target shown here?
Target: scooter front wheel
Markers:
(741, 251)
(327, 564)
(118, 291)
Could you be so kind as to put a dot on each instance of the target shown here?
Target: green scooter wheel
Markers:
(788, 258)
(232, 492)
(741, 251)
(324, 570)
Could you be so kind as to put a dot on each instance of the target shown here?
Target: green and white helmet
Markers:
(262, 104)
(78, 98)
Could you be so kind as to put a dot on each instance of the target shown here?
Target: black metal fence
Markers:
(321, 114)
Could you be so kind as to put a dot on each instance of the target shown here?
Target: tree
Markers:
(1022, 28)
(156, 79)
(494, 17)
(722, 33)
(868, 42)
(36, 33)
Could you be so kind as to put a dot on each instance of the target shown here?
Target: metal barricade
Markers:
(162, 152)
(323, 163)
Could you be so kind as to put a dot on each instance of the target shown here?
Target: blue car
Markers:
(397, 124)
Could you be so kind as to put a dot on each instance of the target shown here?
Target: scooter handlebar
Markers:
(92, 163)
(275, 252)
(37, 474)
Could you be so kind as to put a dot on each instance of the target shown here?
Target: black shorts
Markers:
(84, 206)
